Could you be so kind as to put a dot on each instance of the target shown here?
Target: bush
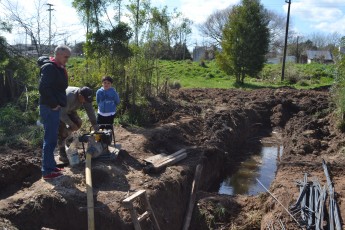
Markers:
(209, 75)
(341, 126)
(270, 73)
(175, 85)
(29, 100)
(11, 118)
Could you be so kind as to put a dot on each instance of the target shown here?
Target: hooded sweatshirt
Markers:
(53, 83)
(107, 101)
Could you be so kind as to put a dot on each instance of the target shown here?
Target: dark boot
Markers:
(63, 155)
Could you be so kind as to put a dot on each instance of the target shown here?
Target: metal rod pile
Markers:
(311, 204)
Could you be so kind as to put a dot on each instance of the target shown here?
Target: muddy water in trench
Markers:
(261, 166)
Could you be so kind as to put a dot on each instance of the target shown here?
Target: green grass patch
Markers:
(206, 74)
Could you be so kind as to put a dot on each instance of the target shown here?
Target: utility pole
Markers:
(286, 36)
(50, 25)
(297, 54)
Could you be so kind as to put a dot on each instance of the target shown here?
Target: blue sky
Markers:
(307, 16)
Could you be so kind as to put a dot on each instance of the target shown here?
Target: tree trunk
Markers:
(2, 90)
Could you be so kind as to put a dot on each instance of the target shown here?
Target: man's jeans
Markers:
(64, 132)
(51, 120)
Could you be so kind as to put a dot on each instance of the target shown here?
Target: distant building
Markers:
(277, 60)
(319, 56)
(30, 50)
(204, 52)
(342, 50)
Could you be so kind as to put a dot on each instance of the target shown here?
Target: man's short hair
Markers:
(61, 48)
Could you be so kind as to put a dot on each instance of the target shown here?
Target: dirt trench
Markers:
(217, 127)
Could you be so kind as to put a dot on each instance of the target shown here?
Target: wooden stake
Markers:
(192, 196)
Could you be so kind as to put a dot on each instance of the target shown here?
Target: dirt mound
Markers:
(216, 126)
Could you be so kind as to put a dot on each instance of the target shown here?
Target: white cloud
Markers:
(325, 16)
(66, 21)
(307, 16)
(330, 27)
(199, 10)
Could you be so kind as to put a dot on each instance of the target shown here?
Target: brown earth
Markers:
(218, 128)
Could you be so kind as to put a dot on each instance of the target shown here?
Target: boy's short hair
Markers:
(107, 78)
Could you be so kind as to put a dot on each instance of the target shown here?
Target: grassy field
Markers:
(190, 74)
(186, 74)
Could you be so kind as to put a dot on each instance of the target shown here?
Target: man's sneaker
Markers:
(64, 159)
(52, 175)
(59, 169)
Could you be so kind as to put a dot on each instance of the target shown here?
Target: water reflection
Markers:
(260, 166)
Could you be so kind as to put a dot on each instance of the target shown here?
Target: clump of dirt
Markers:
(215, 126)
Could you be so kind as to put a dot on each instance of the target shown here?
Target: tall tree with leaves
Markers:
(138, 15)
(4, 26)
(91, 12)
(245, 40)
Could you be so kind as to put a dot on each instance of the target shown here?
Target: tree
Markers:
(4, 26)
(167, 30)
(181, 52)
(33, 26)
(245, 41)
(213, 27)
(78, 48)
(118, 8)
(277, 31)
(3, 51)
(90, 12)
(138, 15)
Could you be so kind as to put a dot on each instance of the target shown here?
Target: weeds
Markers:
(253, 219)
(18, 127)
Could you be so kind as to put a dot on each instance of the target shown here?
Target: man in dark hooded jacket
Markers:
(52, 86)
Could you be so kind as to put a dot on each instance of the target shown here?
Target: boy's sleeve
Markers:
(98, 97)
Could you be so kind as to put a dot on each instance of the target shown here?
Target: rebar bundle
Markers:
(315, 208)
(311, 204)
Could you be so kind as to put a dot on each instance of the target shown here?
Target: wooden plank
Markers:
(169, 161)
(132, 197)
(155, 158)
(143, 216)
(195, 186)
(134, 215)
(168, 157)
(89, 194)
(154, 219)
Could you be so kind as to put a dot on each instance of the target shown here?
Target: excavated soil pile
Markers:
(217, 127)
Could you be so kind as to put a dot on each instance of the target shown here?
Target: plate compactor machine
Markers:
(99, 143)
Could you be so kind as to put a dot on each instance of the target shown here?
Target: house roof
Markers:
(317, 54)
